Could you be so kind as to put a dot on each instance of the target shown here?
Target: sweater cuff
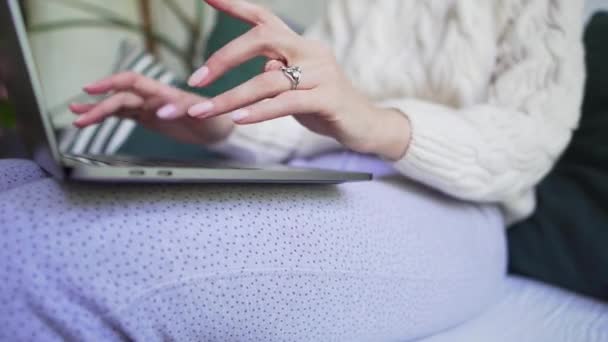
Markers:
(440, 154)
(274, 141)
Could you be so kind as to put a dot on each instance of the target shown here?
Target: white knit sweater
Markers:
(493, 90)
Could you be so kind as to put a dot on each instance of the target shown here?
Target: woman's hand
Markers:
(155, 105)
(325, 101)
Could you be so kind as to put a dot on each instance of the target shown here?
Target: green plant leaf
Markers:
(110, 19)
(7, 115)
(179, 13)
(200, 11)
(108, 23)
(89, 8)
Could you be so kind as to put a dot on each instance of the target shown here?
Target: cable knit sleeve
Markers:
(498, 150)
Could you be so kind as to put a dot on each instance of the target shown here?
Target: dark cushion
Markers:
(565, 242)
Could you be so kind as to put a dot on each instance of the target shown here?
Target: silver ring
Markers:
(294, 74)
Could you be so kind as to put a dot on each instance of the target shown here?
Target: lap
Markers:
(386, 258)
(17, 172)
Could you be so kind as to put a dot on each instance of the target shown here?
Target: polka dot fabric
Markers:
(14, 173)
(385, 260)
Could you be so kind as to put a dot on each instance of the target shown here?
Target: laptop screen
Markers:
(24, 88)
(73, 43)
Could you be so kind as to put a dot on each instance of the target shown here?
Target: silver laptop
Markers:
(38, 135)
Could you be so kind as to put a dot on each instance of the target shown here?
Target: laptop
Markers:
(38, 135)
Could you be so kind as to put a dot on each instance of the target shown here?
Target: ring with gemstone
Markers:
(294, 74)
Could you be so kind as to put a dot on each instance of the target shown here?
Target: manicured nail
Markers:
(198, 77)
(239, 115)
(95, 86)
(89, 86)
(200, 109)
(79, 122)
(80, 108)
(75, 107)
(167, 112)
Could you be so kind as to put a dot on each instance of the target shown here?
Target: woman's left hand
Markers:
(325, 101)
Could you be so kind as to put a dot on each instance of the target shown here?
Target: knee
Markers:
(14, 173)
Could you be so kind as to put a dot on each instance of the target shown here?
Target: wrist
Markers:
(391, 134)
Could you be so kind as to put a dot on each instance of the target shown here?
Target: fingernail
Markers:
(89, 86)
(198, 77)
(74, 107)
(200, 109)
(93, 86)
(79, 122)
(167, 112)
(78, 107)
(239, 115)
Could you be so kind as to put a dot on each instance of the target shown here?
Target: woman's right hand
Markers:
(155, 105)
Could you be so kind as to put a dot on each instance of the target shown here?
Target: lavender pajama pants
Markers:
(380, 261)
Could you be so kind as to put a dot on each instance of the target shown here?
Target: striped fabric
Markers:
(107, 138)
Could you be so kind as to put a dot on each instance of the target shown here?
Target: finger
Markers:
(245, 11)
(130, 82)
(100, 87)
(257, 42)
(3, 93)
(274, 64)
(178, 108)
(81, 108)
(286, 104)
(109, 107)
(172, 111)
(266, 85)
